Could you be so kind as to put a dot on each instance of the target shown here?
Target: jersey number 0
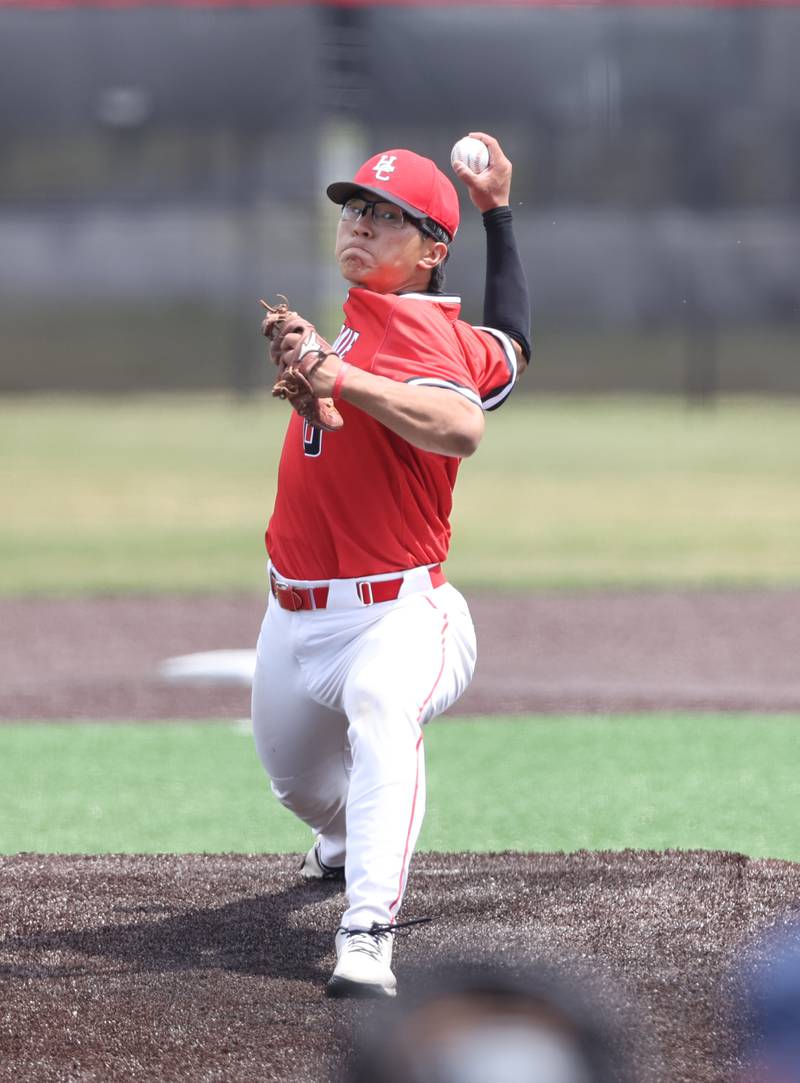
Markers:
(312, 440)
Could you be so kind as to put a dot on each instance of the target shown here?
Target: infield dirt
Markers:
(206, 968)
(552, 653)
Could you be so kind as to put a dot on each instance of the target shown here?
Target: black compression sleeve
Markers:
(506, 302)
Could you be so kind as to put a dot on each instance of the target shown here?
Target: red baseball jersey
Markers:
(363, 501)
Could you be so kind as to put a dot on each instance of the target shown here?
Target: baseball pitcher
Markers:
(364, 639)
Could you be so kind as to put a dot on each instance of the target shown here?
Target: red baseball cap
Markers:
(412, 182)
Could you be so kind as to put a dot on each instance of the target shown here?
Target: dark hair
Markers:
(433, 229)
(437, 279)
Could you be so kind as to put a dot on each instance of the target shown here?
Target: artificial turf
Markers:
(537, 783)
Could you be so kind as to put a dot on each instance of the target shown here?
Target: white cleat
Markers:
(364, 964)
(314, 868)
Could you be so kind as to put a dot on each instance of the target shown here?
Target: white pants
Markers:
(340, 696)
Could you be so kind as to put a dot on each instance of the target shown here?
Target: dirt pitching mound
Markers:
(212, 967)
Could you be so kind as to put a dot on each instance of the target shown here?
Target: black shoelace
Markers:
(376, 933)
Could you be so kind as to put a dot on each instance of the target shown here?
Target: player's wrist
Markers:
(341, 375)
(489, 212)
(325, 374)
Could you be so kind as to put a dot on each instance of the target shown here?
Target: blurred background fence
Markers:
(161, 168)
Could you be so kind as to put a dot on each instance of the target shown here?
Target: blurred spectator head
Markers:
(771, 985)
(489, 1024)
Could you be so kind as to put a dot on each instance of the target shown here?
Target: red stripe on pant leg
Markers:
(427, 699)
(398, 896)
(425, 703)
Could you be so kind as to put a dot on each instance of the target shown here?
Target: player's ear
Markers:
(435, 253)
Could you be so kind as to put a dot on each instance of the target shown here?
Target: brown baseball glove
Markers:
(297, 366)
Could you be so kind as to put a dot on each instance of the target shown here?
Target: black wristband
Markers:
(506, 301)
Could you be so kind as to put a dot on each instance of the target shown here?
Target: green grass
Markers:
(541, 783)
(173, 493)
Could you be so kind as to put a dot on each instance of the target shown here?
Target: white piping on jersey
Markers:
(433, 381)
(345, 341)
(439, 298)
(502, 393)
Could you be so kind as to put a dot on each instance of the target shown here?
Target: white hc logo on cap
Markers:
(385, 167)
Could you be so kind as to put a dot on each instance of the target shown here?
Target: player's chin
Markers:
(353, 267)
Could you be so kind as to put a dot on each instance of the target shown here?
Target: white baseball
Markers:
(472, 152)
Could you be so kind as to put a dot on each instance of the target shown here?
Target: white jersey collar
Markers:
(438, 298)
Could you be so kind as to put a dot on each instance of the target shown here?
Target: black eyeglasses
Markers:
(389, 216)
(383, 214)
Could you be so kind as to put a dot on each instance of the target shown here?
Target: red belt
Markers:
(368, 591)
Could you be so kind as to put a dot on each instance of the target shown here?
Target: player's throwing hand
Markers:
(491, 187)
